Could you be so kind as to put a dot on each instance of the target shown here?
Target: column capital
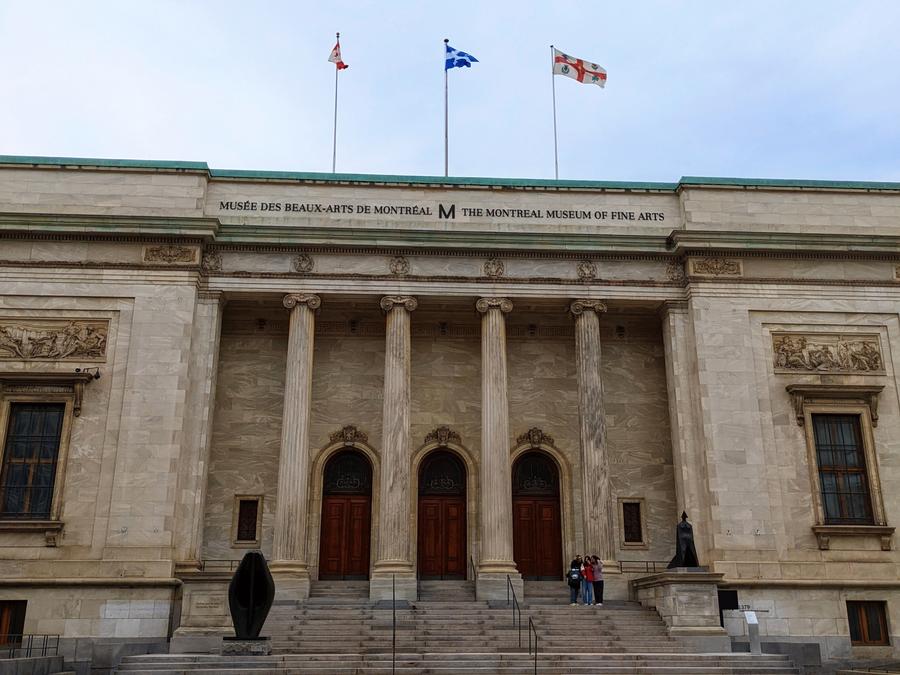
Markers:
(407, 302)
(503, 304)
(292, 300)
(580, 306)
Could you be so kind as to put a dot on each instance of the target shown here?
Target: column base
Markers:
(493, 586)
(384, 585)
(291, 580)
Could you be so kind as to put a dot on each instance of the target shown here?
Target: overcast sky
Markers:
(784, 89)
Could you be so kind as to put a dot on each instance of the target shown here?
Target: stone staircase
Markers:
(338, 631)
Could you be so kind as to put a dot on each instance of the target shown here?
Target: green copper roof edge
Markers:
(439, 180)
(104, 163)
(685, 181)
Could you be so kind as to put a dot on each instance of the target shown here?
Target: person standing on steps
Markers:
(573, 578)
(597, 564)
(587, 581)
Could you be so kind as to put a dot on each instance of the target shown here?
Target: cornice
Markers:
(81, 227)
(784, 244)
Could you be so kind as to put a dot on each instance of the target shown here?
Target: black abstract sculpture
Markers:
(685, 553)
(250, 596)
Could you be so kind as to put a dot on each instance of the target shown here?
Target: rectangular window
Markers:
(868, 623)
(631, 523)
(842, 470)
(247, 516)
(29, 459)
(12, 621)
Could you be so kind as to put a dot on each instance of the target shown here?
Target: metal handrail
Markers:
(646, 566)
(394, 626)
(17, 645)
(473, 568)
(219, 564)
(515, 607)
(532, 629)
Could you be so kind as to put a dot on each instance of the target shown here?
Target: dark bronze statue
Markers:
(685, 553)
(250, 596)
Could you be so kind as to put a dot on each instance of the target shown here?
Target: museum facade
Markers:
(399, 378)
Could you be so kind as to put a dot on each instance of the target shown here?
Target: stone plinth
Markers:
(687, 600)
(246, 647)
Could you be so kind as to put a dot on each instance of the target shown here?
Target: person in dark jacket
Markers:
(573, 578)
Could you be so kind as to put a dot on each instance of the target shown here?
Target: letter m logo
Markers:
(447, 213)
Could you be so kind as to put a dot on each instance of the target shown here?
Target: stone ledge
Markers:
(678, 575)
(825, 532)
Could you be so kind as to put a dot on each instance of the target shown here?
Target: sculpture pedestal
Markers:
(687, 600)
(246, 647)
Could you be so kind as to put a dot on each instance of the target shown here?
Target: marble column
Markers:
(598, 511)
(495, 559)
(290, 564)
(393, 561)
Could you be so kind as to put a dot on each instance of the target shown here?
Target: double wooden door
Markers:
(537, 537)
(346, 517)
(442, 537)
(442, 517)
(346, 523)
(537, 531)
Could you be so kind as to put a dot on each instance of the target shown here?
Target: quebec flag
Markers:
(458, 59)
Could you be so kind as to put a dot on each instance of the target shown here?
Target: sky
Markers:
(787, 89)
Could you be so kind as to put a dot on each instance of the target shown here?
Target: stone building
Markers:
(396, 378)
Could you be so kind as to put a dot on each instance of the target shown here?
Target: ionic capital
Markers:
(579, 307)
(407, 302)
(292, 300)
(503, 304)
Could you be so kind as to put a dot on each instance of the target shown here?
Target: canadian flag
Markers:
(335, 56)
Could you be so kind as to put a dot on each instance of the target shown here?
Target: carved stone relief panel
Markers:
(170, 254)
(53, 340)
(827, 352)
(716, 267)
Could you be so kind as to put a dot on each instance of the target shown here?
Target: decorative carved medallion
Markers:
(408, 302)
(443, 435)
(582, 305)
(587, 270)
(170, 254)
(535, 438)
(349, 435)
(26, 339)
(503, 304)
(303, 263)
(211, 261)
(717, 267)
(310, 300)
(494, 267)
(399, 266)
(675, 271)
(805, 352)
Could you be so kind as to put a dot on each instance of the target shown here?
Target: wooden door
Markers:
(537, 537)
(442, 517)
(537, 531)
(346, 518)
(442, 537)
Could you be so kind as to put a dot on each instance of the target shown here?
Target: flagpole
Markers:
(555, 142)
(446, 115)
(334, 135)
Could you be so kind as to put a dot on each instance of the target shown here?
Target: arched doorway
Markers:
(442, 517)
(346, 517)
(537, 535)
